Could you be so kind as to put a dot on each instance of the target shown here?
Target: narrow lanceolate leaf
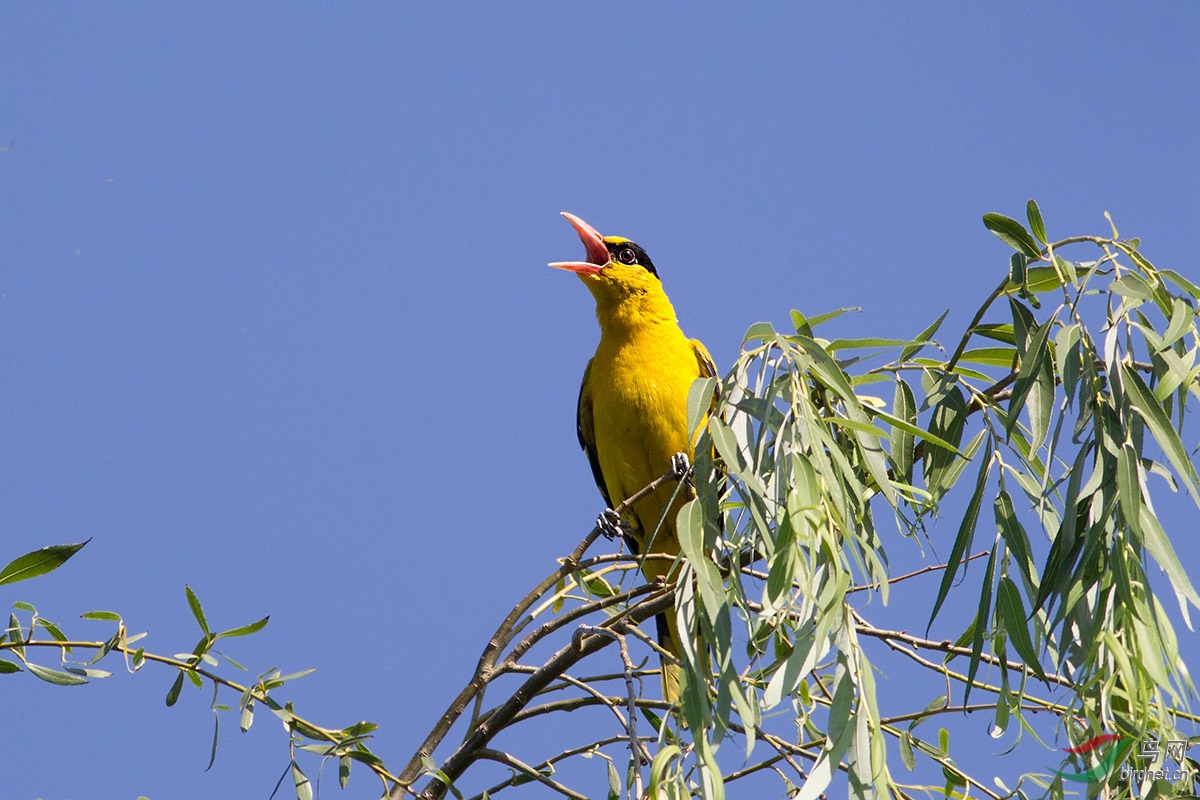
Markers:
(197, 611)
(1004, 357)
(176, 688)
(1160, 548)
(949, 417)
(966, 534)
(1182, 321)
(905, 407)
(1015, 538)
(820, 319)
(1129, 488)
(1142, 400)
(303, 787)
(39, 562)
(1040, 403)
(699, 402)
(245, 630)
(1032, 361)
(1012, 611)
(8, 667)
(924, 337)
(869, 446)
(1035, 220)
(55, 676)
(1012, 233)
(980, 625)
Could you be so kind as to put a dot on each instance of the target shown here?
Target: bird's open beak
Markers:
(597, 251)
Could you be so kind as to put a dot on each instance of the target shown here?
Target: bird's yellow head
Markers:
(619, 274)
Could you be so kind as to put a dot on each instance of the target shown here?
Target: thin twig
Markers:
(510, 761)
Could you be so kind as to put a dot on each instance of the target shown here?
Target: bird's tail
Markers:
(668, 641)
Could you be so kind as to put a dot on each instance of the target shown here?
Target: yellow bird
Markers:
(632, 415)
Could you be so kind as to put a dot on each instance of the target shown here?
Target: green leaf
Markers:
(1142, 400)
(1035, 220)
(905, 406)
(1039, 280)
(1013, 234)
(658, 767)
(759, 330)
(949, 417)
(869, 342)
(1012, 612)
(909, 430)
(979, 626)
(1160, 548)
(906, 751)
(107, 616)
(39, 562)
(820, 319)
(1032, 360)
(247, 718)
(999, 333)
(1134, 286)
(245, 630)
(197, 611)
(1015, 538)
(1017, 277)
(924, 337)
(966, 534)
(8, 667)
(55, 676)
(1129, 489)
(1004, 357)
(699, 403)
(53, 630)
(869, 447)
(1183, 319)
(303, 787)
(212, 756)
(1182, 282)
(176, 688)
(595, 585)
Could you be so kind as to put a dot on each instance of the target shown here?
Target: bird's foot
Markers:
(680, 464)
(609, 523)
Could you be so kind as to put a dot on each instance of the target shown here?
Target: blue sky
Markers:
(275, 320)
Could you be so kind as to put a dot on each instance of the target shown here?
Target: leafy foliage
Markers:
(1082, 402)
(1061, 406)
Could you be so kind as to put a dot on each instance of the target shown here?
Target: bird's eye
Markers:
(627, 256)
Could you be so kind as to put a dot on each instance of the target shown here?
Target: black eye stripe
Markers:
(618, 249)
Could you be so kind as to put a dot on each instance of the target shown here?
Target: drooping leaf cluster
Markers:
(1061, 407)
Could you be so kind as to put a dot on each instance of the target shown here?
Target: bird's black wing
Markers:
(707, 368)
(585, 427)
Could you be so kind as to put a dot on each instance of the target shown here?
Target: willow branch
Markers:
(500, 640)
(581, 647)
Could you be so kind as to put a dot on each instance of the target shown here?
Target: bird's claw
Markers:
(680, 464)
(609, 523)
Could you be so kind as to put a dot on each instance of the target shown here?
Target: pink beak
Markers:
(597, 251)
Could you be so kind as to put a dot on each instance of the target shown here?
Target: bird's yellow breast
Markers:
(638, 383)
